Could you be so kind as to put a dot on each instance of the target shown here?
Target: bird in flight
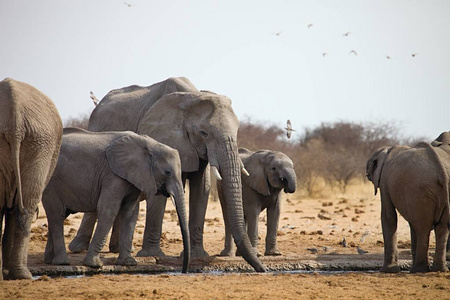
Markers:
(277, 33)
(310, 25)
(96, 101)
(388, 57)
(128, 4)
(414, 54)
(324, 54)
(354, 52)
(346, 34)
(289, 129)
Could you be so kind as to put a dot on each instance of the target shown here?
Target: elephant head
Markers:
(442, 139)
(268, 169)
(153, 168)
(202, 125)
(374, 166)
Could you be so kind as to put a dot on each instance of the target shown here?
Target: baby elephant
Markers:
(270, 172)
(105, 172)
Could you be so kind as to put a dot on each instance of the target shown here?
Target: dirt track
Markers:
(305, 223)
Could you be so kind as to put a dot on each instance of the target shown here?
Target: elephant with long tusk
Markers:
(203, 127)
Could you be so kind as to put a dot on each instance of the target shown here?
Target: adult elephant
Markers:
(443, 142)
(203, 128)
(30, 139)
(270, 173)
(413, 181)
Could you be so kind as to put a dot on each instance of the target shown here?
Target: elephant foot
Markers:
(153, 251)
(420, 269)
(126, 261)
(392, 268)
(272, 252)
(78, 245)
(60, 260)
(19, 273)
(227, 252)
(439, 268)
(92, 261)
(198, 251)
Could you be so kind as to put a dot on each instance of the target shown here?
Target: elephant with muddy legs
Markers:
(203, 128)
(30, 139)
(270, 173)
(414, 182)
(105, 172)
(443, 142)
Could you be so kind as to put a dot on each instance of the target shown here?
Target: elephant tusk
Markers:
(173, 201)
(246, 173)
(216, 173)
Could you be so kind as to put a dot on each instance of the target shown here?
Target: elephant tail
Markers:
(15, 154)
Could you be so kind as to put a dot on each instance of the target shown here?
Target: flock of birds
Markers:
(324, 54)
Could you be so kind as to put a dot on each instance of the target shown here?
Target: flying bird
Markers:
(96, 101)
(361, 251)
(414, 54)
(388, 57)
(289, 129)
(128, 4)
(310, 25)
(346, 34)
(277, 33)
(354, 52)
(324, 54)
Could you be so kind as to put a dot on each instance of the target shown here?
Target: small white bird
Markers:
(289, 129)
(361, 251)
(354, 52)
(346, 34)
(310, 25)
(128, 4)
(96, 101)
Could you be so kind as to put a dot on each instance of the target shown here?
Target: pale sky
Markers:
(67, 48)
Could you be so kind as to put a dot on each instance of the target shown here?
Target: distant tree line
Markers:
(333, 154)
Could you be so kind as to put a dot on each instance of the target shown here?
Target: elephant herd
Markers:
(144, 143)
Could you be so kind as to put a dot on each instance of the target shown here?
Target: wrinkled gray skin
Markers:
(270, 173)
(203, 128)
(413, 181)
(30, 138)
(105, 172)
(443, 142)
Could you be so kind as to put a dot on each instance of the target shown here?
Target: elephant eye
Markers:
(168, 173)
(274, 168)
(203, 134)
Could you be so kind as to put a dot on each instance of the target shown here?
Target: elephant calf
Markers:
(270, 172)
(414, 182)
(105, 172)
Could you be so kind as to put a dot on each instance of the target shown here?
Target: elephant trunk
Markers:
(290, 180)
(230, 167)
(182, 217)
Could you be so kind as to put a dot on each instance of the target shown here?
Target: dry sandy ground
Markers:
(305, 223)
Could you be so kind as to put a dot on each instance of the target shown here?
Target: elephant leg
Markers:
(1, 243)
(129, 215)
(273, 218)
(252, 228)
(156, 206)
(55, 250)
(421, 263)
(448, 248)
(229, 247)
(81, 241)
(115, 235)
(389, 227)
(8, 241)
(441, 233)
(413, 242)
(199, 185)
(19, 254)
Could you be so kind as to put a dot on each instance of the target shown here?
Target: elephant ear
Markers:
(375, 166)
(164, 123)
(129, 158)
(255, 165)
